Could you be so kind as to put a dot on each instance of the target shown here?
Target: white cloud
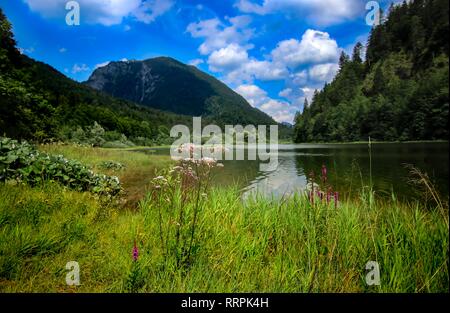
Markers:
(285, 93)
(297, 95)
(77, 68)
(127, 28)
(62, 50)
(149, 10)
(323, 72)
(303, 64)
(247, 6)
(196, 62)
(281, 111)
(314, 47)
(252, 69)
(238, 67)
(102, 64)
(265, 70)
(253, 94)
(317, 12)
(308, 92)
(107, 62)
(299, 78)
(105, 12)
(218, 35)
(26, 50)
(227, 58)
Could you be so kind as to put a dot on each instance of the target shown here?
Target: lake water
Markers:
(348, 168)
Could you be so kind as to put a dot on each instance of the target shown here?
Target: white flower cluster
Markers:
(159, 181)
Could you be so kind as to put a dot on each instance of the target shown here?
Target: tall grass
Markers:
(259, 245)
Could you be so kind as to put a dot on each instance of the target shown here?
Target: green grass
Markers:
(260, 246)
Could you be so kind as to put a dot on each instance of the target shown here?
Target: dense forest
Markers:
(399, 92)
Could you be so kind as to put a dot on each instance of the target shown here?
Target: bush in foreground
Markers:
(22, 162)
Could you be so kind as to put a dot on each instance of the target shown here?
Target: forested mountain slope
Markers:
(169, 85)
(400, 90)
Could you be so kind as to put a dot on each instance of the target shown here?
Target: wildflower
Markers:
(135, 252)
(324, 173)
(336, 199)
(159, 181)
(208, 161)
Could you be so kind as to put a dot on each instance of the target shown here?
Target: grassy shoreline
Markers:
(258, 245)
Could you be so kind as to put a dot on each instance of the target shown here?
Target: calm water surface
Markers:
(348, 168)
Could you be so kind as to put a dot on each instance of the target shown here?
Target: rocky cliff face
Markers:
(128, 79)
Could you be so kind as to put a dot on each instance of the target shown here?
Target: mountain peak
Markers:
(167, 84)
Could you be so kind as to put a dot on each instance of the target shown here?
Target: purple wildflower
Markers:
(324, 173)
(336, 199)
(135, 252)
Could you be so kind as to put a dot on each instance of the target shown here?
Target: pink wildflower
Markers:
(324, 173)
(135, 252)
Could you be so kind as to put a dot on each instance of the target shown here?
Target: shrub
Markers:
(22, 162)
(111, 165)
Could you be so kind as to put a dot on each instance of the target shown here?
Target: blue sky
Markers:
(273, 52)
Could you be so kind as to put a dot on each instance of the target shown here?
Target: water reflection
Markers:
(348, 168)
